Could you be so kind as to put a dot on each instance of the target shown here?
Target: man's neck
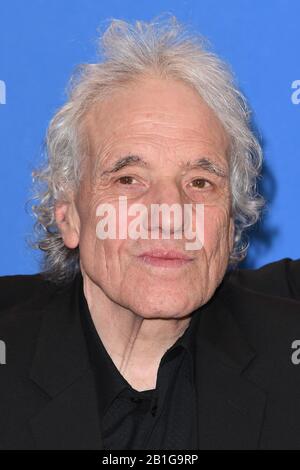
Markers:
(135, 344)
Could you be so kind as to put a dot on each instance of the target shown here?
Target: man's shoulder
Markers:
(19, 288)
(269, 323)
(280, 278)
(265, 301)
(25, 300)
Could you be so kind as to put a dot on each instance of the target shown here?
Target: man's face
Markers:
(167, 127)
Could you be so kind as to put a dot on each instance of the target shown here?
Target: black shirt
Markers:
(162, 418)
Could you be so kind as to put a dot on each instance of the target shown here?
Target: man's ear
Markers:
(68, 223)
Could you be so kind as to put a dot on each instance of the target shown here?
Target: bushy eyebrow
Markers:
(130, 160)
(208, 165)
(123, 162)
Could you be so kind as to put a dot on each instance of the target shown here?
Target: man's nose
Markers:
(165, 211)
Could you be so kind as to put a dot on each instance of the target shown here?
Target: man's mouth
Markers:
(165, 258)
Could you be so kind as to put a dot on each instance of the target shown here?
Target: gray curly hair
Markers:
(164, 47)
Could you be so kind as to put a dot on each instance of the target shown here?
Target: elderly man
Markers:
(139, 339)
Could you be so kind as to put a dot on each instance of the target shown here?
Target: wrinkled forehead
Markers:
(164, 115)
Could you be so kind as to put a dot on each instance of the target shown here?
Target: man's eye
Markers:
(126, 180)
(200, 183)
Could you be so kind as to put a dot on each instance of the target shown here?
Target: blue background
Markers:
(41, 42)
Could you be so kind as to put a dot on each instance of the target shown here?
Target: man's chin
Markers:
(165, 308)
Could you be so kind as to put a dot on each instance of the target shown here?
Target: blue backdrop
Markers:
(41, 41)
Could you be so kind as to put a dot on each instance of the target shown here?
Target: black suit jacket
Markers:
(248, 388)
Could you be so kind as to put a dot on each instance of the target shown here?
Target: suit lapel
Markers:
(230, 395)
(61, 369)
(70, 420)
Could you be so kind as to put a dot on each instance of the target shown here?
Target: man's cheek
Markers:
(216, 223)
(213, 220)
(111, 254)
(87, 234)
